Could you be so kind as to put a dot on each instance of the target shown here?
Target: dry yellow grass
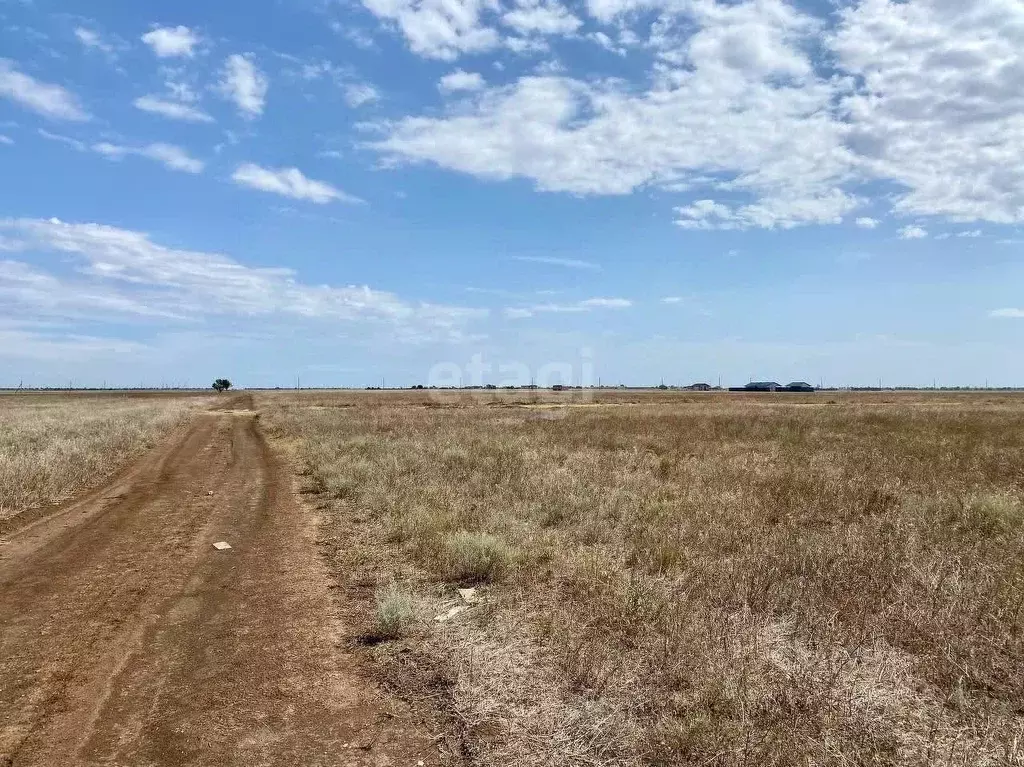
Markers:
(690, 579)
(54, 444)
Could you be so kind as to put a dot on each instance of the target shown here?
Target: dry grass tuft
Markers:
(993, 514)
(475, 557)
(395, 612)
(718, 580)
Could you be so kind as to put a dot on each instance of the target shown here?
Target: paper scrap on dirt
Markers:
(469, 596)
(222, 545)
(451, 613)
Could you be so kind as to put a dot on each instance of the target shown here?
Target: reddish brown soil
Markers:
(127, 639)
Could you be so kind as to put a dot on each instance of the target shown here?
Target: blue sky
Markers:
(644, 189)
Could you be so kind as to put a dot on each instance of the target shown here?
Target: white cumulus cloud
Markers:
(168, 155)
(586, 305)
(753, 121)
(126, 273)
(62, 139)
(439, 29)
(89, 38)
(171, 42)
(781, 212)
(940, 110)
(244, 84)
(173, 110)
(359, 94)
(779, 116)
(47, 99)
(912, 233)
(461, 81)
(866, 222)
(548, 18)
(289, 182)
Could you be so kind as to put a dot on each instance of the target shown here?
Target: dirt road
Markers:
(127, 639)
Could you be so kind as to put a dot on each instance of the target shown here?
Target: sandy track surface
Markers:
(127, 639)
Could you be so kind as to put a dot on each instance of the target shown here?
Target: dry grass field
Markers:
(684, 579)
(54, 444)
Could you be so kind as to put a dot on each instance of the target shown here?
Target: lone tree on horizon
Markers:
(222, 384)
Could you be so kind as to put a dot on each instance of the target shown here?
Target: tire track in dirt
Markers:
(126, 638)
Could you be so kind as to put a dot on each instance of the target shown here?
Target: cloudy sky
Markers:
(344, 191)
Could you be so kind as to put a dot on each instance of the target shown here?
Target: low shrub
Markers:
(476, 557)
(395, 612)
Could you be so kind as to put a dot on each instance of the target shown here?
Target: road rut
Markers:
(127, 639)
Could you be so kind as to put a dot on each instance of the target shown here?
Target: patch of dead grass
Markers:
(699, 580)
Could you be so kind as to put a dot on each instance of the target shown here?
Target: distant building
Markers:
(699, 387)
(773, 386)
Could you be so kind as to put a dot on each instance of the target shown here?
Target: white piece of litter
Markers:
(451, 613)
(222, 545)
(469, 596)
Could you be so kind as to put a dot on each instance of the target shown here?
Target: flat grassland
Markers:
(54, 444)
(672, 578)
